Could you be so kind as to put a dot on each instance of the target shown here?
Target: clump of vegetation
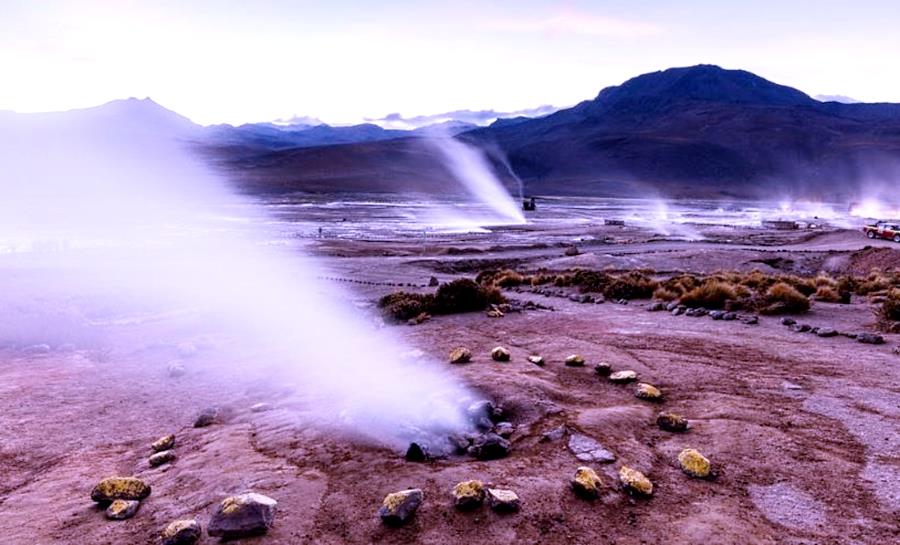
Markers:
(783, 298)
(712, 294)
(830, 294)
(665, 294)
(462, 295)
(874, 283)
(403, 305)
(632, 285)
(889, 313)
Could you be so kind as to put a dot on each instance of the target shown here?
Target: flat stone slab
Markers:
(587, 449)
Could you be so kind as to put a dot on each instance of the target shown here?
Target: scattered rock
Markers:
(122, 509)
(672, 306)
(489, 446)
(500, 354)
(635, 482)
(207, 416)
(801, 328)
(504, 429)
(693, 463)
(647, 392)
(419, 318)
(750, 320)
(869, 338)
(175, 370)
(537, 360)
(572, 251)
(162, 457)
(120, 488)
(729, 316)
(460, 443)
(848, 334)
(622, 377)
(717, 314)
(555, 434)
(261, 407)
(495, 313)
(575, 360)
(242, 515)
(398, 507)
(788, 321)
(587, 449)
(826, 332)
(503, 501)
(656, 306)
(481, 414)
(677, 311)
(181, 532)
(586, 483)
(433, 282)
(468, 494)
(163, 443)
(460, 355)
(671, 422)
(416, 453)
(603, 369)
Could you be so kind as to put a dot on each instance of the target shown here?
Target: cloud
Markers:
(577, 23)
(474, 117)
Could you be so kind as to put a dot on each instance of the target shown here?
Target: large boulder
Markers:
(588, 449)
(122, 509)
(398, 507)
(586, 483)
(693, 463)
(634, 482)
(242, 515)
(181, 532)
(468, 494)
(120, 488)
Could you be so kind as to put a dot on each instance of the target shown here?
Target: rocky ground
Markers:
(802, 431)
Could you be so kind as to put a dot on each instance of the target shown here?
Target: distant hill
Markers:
(701, 131)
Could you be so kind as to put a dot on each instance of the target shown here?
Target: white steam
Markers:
(101, 225)
(469, 166)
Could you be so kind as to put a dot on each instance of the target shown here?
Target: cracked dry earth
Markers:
(803, 433)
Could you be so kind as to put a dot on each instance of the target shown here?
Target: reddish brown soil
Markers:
(804, 433)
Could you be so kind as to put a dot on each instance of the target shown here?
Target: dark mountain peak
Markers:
(704, 82)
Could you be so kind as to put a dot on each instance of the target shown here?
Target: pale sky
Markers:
(346, 60)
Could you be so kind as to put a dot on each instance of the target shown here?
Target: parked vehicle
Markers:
(883, 229)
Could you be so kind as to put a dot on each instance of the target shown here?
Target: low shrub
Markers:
(712, 294)
(890, 308)
(402, 305)
(783, 298)
(462, 295)
(829, 294)
(632, 285)
(665, 294)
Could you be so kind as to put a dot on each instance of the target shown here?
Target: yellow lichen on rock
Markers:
(575, 360)
(163, 443)
(468, 493)
(647, 392)
(635, 481)
(693, 463)
(120, 488)
(460, 355)
(586, 482)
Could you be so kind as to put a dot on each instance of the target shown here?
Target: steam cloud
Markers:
(103, 222)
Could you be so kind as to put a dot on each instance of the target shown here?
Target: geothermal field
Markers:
(261, 338)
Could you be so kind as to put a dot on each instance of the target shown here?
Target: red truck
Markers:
(883, 229)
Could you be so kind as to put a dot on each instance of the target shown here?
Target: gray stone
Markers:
(242, 515)
(163, 443)
(555, 434)
(162, 457)
(489, 446)
(503, 501)
(717, 314)
(122, 509)
(656, 306)
(788, 321)
(826, 332)
(504, 429)
(587, 449)
(398, 507)
(181, 532)
(869, 338)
